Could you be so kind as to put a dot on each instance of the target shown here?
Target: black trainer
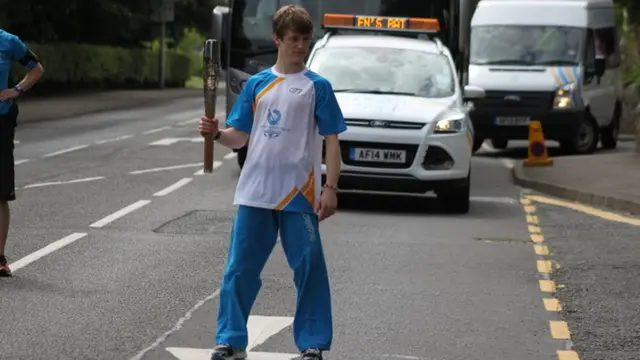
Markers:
(311, 354)
(226, 352)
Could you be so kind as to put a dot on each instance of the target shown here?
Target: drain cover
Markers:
(198, 222)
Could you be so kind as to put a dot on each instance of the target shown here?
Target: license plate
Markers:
(512, 121)
(378, 155)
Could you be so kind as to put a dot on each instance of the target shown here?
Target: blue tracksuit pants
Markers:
(253, 237)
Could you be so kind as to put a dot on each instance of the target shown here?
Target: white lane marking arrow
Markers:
(260, 328)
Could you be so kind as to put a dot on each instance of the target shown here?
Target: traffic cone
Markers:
(538, 155)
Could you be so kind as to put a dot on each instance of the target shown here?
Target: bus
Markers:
(243, 30)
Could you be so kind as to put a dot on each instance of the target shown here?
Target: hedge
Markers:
(71, 66)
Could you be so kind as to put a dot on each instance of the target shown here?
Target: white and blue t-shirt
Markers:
(286, 116)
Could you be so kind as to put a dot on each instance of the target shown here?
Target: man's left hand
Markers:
(328, 204)
(9, 94)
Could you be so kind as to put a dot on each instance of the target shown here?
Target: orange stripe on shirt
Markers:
(309, 189)
(266, 90)
(287, 198)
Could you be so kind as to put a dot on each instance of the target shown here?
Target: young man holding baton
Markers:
(285, 112)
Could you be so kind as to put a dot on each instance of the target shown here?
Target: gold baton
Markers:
(211, 73)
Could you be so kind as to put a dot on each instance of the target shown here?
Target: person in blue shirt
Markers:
(12, 50)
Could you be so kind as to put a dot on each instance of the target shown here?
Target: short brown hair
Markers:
(294, 18)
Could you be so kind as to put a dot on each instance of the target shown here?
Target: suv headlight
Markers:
(565, 97)
(449, 126)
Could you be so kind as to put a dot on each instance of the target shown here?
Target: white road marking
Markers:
(171, 141)
(260, 328)
(152, 131)
(171, 188)
(230, 155)
(18, 162)
(495, 200)
(57, 245)
(75, 181)
(175, 167)
(205, 354)
(177, 326)
(16, 142)
(66, 150)
(508, 163)
(216, 164)
(100, 142)
(187, 122)
(120, 213)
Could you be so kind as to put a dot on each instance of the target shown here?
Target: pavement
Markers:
(605, 179)
(65, 106)
(118, 243)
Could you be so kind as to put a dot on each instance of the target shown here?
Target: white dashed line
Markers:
(216, 164)
(16, 142)
(188, 122)
(19, 162)
(67, 150)
(100, 142)
(57, 245)
(169, 189)
(120, 213)
(153, 131)
(63, 182)
(175, 167)
(230, 155)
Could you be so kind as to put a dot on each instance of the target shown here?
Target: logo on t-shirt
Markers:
(273, 130)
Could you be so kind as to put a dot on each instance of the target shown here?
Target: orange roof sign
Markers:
(380, 23)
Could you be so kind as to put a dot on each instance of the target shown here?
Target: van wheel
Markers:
(242, 156)
(499, 144)
(585, 141)
(609, 135)
(456, 198)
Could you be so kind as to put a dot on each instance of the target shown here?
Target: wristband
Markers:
(332, 187)
(217, 136)
(19, 89)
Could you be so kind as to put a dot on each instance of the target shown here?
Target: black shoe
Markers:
(226, 352)
(4, 268)
(311, 354)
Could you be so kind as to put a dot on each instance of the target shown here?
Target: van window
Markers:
(607, 46)
(526, 45)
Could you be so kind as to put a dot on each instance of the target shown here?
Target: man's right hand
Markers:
(208, 126)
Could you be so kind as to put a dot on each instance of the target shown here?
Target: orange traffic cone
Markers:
(538, 155)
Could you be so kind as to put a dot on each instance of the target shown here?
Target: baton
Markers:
(210, 58)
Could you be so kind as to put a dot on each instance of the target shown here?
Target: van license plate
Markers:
(513, 121)
(378, 155)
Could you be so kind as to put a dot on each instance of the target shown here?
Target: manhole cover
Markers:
(502, 240)
(198, 222)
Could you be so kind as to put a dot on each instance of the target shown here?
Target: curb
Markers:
(626, 137)
(597, 200)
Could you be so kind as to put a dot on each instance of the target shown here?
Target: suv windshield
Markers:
(385, 71)
(526, 45)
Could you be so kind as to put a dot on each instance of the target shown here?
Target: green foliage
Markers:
(71, 66)
(629, 18)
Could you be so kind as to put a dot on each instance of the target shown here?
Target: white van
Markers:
(556, 61)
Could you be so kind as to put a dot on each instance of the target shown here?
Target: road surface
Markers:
(118, 244)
